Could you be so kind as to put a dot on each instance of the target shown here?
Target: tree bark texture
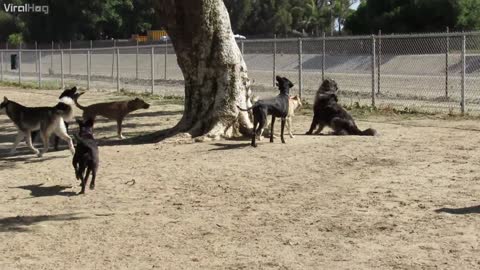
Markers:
(215, 73)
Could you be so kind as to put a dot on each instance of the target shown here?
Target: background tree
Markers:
(394, 16)
(468, 15)
(80, 20)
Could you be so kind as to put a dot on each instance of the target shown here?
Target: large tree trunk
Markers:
(215, 73)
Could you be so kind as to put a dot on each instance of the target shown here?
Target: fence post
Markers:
(61, 69)
(462, 102)
(118, 70)
(447, 49)
(323, 56)
(1, 66)
(379, 58)
(88, 69)
(20, 64)
(113, 56)
(136, 62)
(70, 59)
(274, 58)
(241, 46)
(373, 70)
(90, 60)
(152, 55)
(300, 68)
(36, 55)
(51, 58)
(165, 59)
(40, 69)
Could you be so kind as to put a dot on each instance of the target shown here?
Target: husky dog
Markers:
(71, 93)
(46, 119)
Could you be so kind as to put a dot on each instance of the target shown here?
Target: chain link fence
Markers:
(425, 72)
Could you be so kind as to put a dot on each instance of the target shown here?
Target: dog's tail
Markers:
(369, 132)
(75, 99)
(245, 110)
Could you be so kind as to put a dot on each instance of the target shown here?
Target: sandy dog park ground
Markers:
(408, 199)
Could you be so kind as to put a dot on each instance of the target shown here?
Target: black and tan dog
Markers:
(86, 154)
(327, 112)
(116, 110)
(277, 107)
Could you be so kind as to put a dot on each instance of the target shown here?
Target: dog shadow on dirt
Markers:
(22, 223)
(39, 190)
(140, 114)
(23, 154)
(460, 211)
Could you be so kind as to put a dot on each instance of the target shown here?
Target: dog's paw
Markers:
(291, 136)
(308, 133)
(121, 137)
(39, 154)
(92, 187)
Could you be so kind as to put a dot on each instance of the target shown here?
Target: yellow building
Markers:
(156, 34)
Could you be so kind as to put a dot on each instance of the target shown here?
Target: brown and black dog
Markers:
(327, 112)
(116, 110)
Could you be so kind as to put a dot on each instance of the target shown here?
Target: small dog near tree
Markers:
(277, 107)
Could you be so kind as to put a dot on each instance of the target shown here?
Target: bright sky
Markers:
(355, 6)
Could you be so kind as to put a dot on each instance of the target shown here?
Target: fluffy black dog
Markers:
(86, 154)
(327, 112)
(277, 107)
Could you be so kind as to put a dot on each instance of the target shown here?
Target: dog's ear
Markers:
(295, 97)
(89, 122)
(290, 84)
(5, 99)
(74, 88)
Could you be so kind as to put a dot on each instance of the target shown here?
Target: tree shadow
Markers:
(156, 113)
(229, 146)
(460, 211)
(149, 138)
(41, 191)
(21, 223)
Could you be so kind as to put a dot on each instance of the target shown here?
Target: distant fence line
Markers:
(431, 72)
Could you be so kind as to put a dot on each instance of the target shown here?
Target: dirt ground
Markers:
(408, 199)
